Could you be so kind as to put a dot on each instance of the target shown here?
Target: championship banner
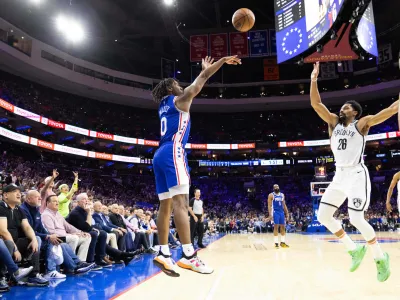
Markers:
(218, 45)
(239, 44)
(335, 50)
(259, 43)
(167, 68)
(271, 69)
(272, 41)
(198, 47)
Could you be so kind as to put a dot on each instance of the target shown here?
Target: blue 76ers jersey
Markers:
(175, 124)
(277, 202)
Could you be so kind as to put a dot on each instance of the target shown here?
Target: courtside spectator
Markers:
(47, 190)
(65, 196)
(15, 227)
(57, 225)
(31, 209)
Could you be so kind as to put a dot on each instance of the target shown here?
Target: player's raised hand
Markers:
(207, 62)
(315, 72)
(233, 60)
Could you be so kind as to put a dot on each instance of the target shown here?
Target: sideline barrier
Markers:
(112, 137)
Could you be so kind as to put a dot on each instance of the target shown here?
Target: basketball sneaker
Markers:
(276, 246)
(284, 245)
(357, 256)
(382, 266)
(195, 264)
(166, 264)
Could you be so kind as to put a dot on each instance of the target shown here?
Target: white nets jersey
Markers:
(347, 145)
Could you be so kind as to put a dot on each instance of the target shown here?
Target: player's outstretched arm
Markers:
(372, 120)
(270, 198)
(209, 68)
(393, 184)
(316, 102)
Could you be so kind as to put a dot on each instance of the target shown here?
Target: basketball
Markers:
(243, 19)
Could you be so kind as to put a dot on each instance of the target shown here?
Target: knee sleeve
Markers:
(325, 217)
(358, 220)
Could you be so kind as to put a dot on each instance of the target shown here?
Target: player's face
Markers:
(346, 113)
(177, 90)
(276, 188)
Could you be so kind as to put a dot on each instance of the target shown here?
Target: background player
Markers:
(278, 210)
(395, 181)
(351, 179)
(170, 164)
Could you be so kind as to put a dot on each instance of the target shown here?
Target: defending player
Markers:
(278, 210)
(171, 167)
(351, 179)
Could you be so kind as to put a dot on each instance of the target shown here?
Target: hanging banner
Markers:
(272, 41)
(385, 54)
(328, 71)
(271, 69)
(167, 68)
(198, 47)
(239, 45)
(218, 45)
(345, 66)
(259, 43)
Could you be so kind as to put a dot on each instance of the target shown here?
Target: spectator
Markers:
(57, 225)
(108, 226)
(140, 236)
(81, 217)
(31, 209)
(47, 190)
(7, 264)
(65, 196)
(14, 227)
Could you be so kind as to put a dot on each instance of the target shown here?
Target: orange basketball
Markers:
(243, 19)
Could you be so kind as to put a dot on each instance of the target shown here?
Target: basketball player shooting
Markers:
(171, 166)
(278, 210)
(348, 135)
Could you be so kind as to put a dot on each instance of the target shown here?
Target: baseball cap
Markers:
(11, 188)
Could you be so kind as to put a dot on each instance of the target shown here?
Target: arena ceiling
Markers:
(145, 30)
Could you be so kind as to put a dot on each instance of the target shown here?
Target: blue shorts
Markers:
(279, 218)
(171, 171)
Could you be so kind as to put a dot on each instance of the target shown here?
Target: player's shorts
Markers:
(279, 218)
(171, 171)
(352, 183)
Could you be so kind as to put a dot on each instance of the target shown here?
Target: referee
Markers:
(196, 218)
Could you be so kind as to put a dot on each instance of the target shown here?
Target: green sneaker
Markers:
(382, 265)
(357, 256)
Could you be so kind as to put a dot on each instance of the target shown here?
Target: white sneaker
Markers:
(195, 264)
(166, 264)
(54, 275)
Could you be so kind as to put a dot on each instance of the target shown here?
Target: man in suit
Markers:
(107, 226)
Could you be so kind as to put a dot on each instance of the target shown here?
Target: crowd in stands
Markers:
(72, 223)
(266, 126)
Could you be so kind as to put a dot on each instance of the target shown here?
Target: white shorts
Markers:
(350, 183)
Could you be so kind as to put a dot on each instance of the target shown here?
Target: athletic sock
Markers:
(188, 250)
(348, 242)
(282, 238)
(164, 249)
(276, 241)
(377, 251)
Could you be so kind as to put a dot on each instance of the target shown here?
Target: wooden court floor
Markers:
(248, 267)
